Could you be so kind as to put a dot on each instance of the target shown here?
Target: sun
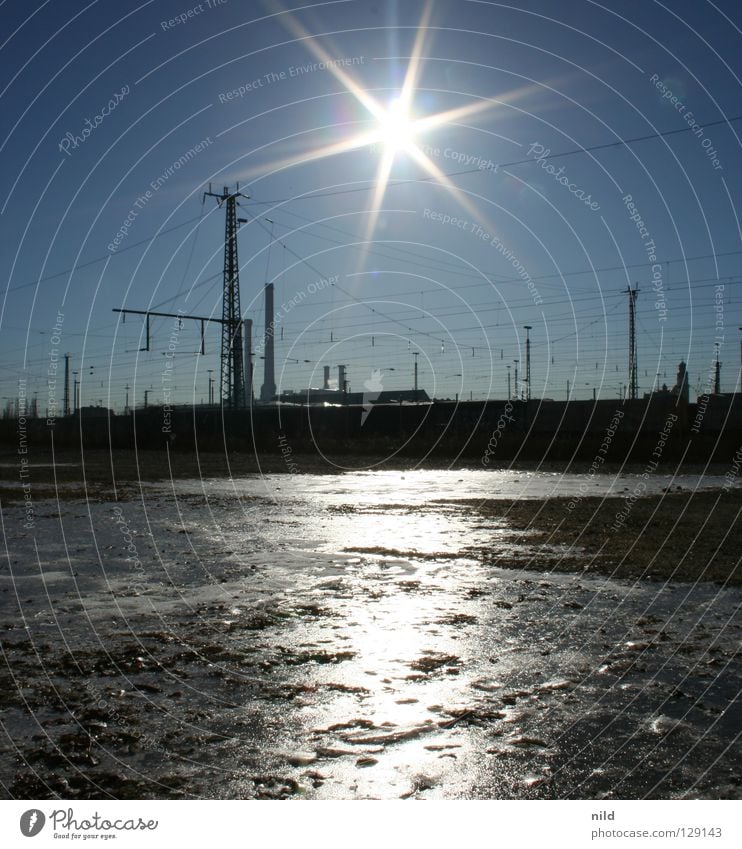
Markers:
(396, 127)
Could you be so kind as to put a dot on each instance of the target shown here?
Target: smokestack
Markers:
(681, 385)
(341, 378)
(327, 377)
(268, 390)
(248, 362)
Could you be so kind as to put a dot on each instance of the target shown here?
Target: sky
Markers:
(420, 181)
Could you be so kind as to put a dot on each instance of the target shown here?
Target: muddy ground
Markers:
(366, 637)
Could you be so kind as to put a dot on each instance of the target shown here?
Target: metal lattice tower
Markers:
(233, 391)
(633, 381)
(232, 376)
(528, 328)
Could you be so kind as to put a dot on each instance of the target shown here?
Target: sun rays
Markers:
(395, 129)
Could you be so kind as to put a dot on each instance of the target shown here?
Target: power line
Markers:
(462, 273)
(366, 305)
(573, 152)
(104, 257)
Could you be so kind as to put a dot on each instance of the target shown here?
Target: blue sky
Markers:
(233, 91)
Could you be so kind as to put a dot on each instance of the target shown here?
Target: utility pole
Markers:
(211, 387)
(126, 405)
(633, 382)
(517, 390)
(528, 328)
(717, 373)
(232, 378)
(415, 354)
(75, 396)
(66, 403)
(510, 395)
(146, 398)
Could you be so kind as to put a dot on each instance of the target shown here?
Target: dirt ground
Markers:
(675, 537)
(364, 636)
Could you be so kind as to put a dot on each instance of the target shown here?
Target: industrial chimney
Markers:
(248, 361)
(327, 378)
(341, 378)
(681, 385)
(268, 390)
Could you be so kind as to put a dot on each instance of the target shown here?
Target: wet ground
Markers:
(351, 637)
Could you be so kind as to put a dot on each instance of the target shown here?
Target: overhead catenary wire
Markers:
(530, 160)
(104, 257)
(433, 337)
(392, 183)
(489, 276)
(414, 331)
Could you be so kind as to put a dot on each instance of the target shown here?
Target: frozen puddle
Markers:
(344, 638)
